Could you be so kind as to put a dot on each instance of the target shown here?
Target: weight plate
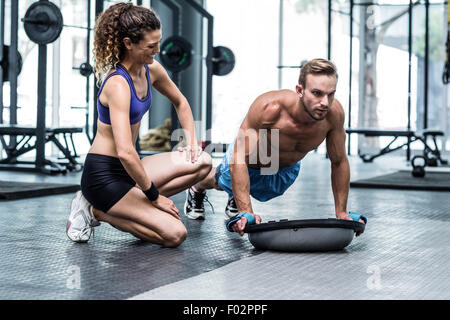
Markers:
(43, 22)
(223, 61)
(86, 69)
(176, 54)
(5, 63)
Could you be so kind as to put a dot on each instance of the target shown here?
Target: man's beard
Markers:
(311, 114)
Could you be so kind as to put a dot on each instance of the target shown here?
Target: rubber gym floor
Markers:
(404, 252)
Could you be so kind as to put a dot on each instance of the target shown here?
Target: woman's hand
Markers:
(193, 152)
(166, 205)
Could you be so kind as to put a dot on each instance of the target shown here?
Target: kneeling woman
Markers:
(117, 186)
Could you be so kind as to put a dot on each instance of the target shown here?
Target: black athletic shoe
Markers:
(231, 209)
(194, 205)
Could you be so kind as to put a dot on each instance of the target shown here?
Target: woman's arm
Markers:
(117, 93)
(163, 83)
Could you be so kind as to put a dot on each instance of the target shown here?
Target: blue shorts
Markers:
(262, 187)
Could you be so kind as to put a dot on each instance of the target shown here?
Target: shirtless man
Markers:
(289, 124)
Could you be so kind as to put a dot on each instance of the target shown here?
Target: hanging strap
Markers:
(446, 73)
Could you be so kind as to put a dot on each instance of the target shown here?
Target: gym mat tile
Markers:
(38, 261)
(11, 190)
(433, 181)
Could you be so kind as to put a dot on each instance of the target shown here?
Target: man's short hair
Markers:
(317, 66)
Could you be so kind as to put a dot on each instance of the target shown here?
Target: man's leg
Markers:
(172, 173)
(218, 178)
(208, 183)
(196, 195)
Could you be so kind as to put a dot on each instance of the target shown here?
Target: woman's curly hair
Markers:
(112, 26)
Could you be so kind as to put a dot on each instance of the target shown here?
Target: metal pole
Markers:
(2, 38)
(350, 76)
(280, 45)
(88, 82)
(40, 117)
(13, 68)
(176, 23)
(329, 29)
(408, 150)
(209, 76)
(209, 65)
(98, 10)
(444, 119)
(56, 86)
(427, 49)
(364, 55)
(13, 62)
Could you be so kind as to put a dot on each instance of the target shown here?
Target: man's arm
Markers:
(240, 179)
(262, 114)
(340, 169)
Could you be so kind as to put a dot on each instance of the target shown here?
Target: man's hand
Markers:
(166, 205)
(345, 216)
(239, 226)
(192, 152)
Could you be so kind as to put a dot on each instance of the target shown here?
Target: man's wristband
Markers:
(152, 193)
(250, 220)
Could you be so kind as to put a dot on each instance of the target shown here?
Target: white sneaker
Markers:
(81, 221)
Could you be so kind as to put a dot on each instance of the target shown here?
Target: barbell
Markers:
(43, 23)
(177, 55)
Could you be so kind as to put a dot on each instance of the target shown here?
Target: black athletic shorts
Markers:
(104, 181)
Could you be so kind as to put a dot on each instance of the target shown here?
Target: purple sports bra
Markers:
(138, 107)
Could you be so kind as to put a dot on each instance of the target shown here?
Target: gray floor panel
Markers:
(406, 244)
(397, 262)
(39, 262)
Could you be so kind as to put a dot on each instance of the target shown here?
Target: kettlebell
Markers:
(418, 170)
